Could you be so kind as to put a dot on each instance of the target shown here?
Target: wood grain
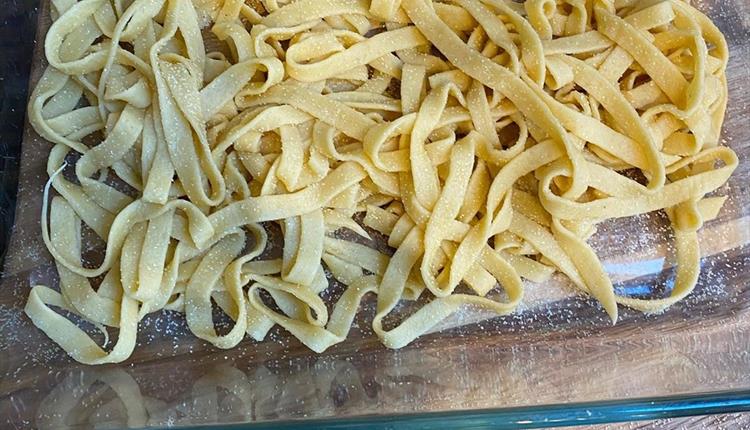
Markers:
(717, 422)
(559, 350)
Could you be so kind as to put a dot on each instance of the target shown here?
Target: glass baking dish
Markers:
(557, 362)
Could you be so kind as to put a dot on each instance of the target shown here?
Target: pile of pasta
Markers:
(482, 139)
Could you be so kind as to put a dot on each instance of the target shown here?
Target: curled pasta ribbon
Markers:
(480, 140)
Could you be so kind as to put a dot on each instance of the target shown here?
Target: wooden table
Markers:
(717, 422)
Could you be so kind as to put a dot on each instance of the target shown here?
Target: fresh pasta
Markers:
(483, 140)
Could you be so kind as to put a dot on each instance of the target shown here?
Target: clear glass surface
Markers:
(557, 361)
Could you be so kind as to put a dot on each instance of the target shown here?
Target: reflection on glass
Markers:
(176, 393)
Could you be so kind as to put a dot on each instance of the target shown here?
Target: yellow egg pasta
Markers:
(482, 139)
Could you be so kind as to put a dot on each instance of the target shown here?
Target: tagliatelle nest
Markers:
(484, 138)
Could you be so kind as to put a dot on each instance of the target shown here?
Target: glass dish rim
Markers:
(520, 417)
